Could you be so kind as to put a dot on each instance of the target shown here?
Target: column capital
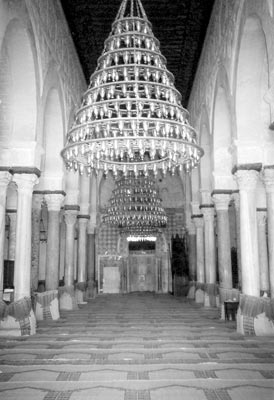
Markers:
(191, 228)
(261, 216)
(37, 200)
(207, 211)
(221, 201)
(70, 217)
(5, 178)
(54, 201)
(25, 182)
(236, 199)
(268, 178)
(198, 220)
(247, 179)
(195, 207)
(91, 227)
(205, 196)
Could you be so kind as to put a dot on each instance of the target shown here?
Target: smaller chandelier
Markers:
(135, 205)
(131, 118)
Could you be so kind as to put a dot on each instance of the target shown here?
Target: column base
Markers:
(211, 295)
(47, 306)
(17, 318)
(80, 292)
(255, 316)
(191, 291)
(91, 290)
(67, 299)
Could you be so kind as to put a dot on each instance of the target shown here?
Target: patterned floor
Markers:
(137, 347)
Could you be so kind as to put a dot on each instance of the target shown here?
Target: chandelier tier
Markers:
(135, 205)
(131, 117)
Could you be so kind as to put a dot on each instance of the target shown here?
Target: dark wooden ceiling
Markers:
(180, 26)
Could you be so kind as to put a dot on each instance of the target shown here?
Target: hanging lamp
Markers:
(135, 206)
(131, 118)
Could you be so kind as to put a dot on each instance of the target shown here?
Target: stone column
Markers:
(22, 268)
(82, 247)
(210, 254)
(269, 186)
(236, 199)
(200, 257)
(70, 221)
(12, 233)
(263, 256)
(247, 179)
(221, 201)
(54, 201)
(91, 260)
(209, 238)
(37, 200)
(5, 178)
(192, 251)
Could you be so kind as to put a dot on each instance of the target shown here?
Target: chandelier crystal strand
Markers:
(135, 206)
(131, 118)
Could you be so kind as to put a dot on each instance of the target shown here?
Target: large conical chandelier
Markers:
(135, 205)
(131, 117)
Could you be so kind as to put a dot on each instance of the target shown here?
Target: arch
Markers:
(252, 82)
(20, 92)
(222, 134)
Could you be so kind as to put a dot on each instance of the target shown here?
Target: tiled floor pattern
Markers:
(137, 347)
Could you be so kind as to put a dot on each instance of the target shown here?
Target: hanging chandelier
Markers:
(135, 206)
(131, 118)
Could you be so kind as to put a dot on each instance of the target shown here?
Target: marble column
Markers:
(221, 201)
(247, 180)
(5, 178)
(200, 256)
(22, 267)
(71, 213)
(263, 253)
(82, 248)
(236, 201)
(54, 201)
(192, 251)
(12, 233)
(91, 256)
(209, 240)
(37, 200)
(269, 186)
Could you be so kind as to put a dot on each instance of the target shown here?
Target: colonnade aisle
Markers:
(139, 346)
